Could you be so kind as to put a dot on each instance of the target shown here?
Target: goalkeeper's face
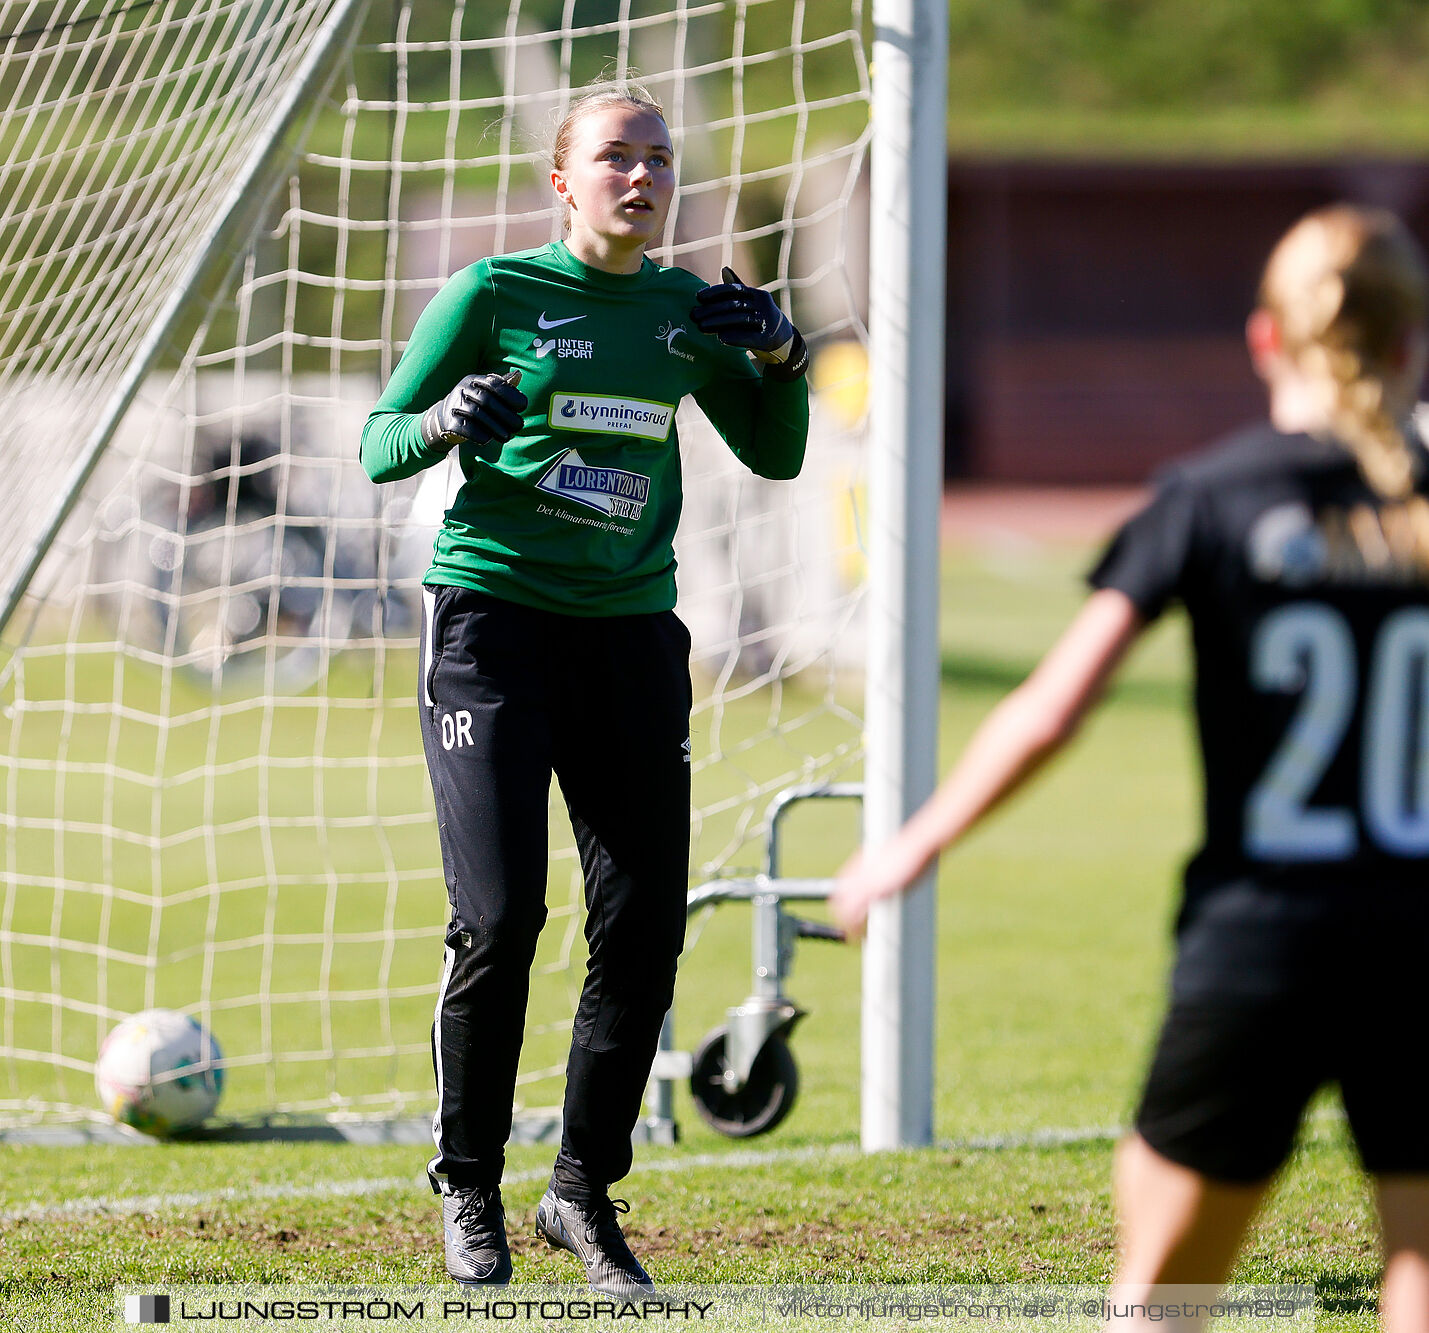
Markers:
(619, 177)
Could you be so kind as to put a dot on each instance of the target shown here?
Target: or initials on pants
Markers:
(456, 729)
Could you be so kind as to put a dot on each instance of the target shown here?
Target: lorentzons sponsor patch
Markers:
(608, 490)
(605, 414)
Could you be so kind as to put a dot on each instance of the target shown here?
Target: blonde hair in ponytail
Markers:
(1346, 285)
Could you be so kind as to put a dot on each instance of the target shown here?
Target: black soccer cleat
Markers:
(474, 1227)
(591, 1233)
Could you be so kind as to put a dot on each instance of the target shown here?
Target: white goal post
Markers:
(218, 220)
(906, 333)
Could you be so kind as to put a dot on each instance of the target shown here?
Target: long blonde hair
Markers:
(1346, 286)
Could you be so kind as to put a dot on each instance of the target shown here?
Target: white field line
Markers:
(130, 1205)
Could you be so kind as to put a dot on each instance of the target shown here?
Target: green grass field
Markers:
(1053, 942)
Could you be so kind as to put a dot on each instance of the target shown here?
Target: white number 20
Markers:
(1308, 646)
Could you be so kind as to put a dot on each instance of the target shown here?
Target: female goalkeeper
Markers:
(550, 644)
(1300, 549)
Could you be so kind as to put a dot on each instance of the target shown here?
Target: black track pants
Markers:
(508, 694)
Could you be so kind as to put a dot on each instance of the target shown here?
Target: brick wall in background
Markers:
(1095, 310)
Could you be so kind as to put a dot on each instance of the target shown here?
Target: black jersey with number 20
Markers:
(1309, 604)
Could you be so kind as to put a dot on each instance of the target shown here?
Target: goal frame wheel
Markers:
(757, 1105)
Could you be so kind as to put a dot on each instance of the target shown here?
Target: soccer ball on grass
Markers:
(158, 1072)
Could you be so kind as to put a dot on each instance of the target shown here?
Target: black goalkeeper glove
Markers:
(749, 317)
(482, 409)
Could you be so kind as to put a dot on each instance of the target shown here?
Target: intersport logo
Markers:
(605, 414)
(582, 349)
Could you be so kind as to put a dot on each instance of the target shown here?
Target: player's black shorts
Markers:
(1263, 1014)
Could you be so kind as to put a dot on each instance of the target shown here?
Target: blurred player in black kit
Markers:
(1300, 549)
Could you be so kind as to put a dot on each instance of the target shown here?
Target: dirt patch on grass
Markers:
(825, 1246)
(834, 1245)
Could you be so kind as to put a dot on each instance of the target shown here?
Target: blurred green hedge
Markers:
(1189, 76)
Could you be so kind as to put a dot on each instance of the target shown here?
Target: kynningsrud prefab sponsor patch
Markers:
(606, 414)
(608, 490)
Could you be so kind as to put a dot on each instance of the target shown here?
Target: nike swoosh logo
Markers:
(555, 323)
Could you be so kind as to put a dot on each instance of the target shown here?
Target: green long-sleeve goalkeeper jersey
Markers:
(577, 513)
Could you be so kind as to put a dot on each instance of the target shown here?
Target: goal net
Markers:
(220, 221)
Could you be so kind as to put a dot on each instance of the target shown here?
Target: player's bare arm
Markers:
(1025, 730)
